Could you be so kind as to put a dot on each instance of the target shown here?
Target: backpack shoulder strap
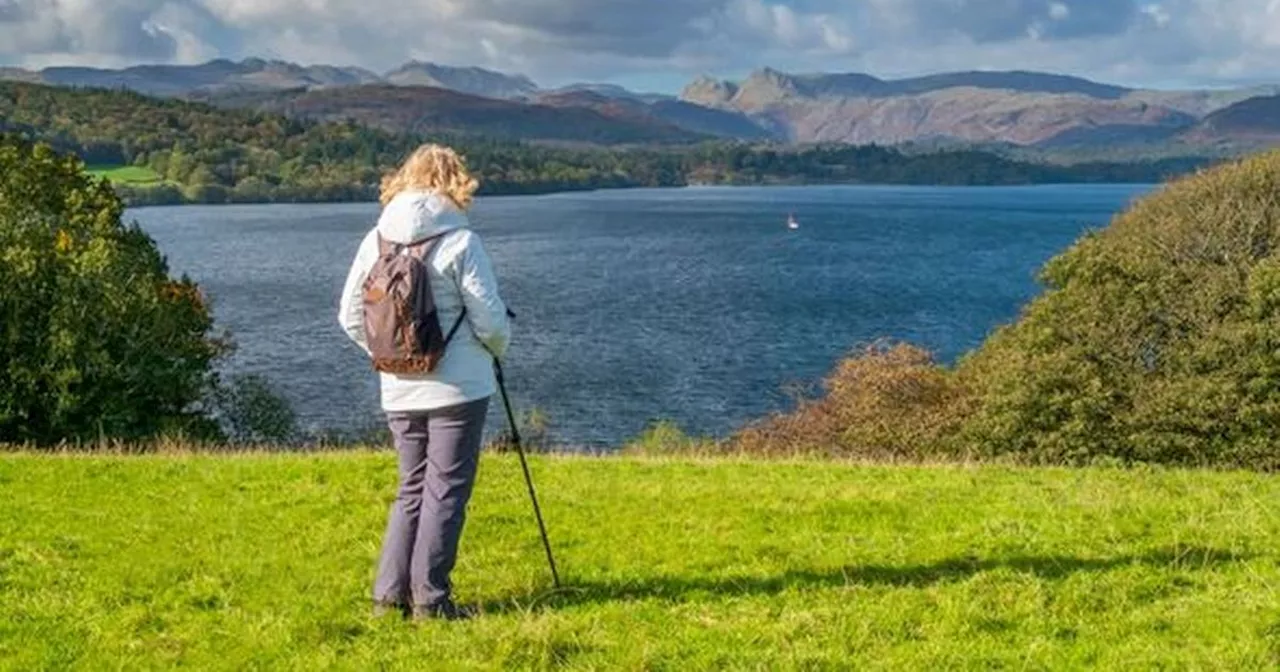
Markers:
(462, 317)
(387, 248)
(423, 247)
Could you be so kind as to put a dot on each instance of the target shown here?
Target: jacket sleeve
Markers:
(479, 287)
(350, 308)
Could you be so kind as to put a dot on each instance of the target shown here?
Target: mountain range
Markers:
(1023, 109)
(429, 109)
(1020, 108)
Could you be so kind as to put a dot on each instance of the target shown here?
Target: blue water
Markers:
(693, 305)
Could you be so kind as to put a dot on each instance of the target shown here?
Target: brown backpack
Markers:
(401, 323)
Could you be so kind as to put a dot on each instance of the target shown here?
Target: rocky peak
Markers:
(709, 91)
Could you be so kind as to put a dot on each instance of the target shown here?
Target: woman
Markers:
(436, 419)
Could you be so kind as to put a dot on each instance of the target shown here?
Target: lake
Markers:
(692, 305)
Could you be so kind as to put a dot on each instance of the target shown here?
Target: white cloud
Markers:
(41, 27)
(1157, 14)
(774, 24)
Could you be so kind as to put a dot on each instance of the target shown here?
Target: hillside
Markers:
(256, 74)
(668, 564)
(607, 91)
(200, 153)
(1201, 103)
(1256, 120)
(177, 80)
(1025, 109)
(1020, 108)
(472, 80)
(19, 75)
(659, 112)
(969, 115)
(767, 85)
(419, 110)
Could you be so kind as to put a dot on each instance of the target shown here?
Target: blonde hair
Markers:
(432, 168)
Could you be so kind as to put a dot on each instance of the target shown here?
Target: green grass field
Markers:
(263, 562)
(130, 175)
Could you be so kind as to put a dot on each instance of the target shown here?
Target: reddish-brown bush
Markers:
(888, 401)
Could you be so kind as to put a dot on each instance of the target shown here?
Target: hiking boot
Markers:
(383, 609)
(446, 611)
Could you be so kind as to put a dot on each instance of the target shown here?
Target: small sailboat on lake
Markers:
(792, 223)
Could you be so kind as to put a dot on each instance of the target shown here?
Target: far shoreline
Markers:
(553, 192)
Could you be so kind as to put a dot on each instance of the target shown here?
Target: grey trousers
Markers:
(439, 451)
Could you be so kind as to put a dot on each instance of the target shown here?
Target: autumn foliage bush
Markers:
(888, 401)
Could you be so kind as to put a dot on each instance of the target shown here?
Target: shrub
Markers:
(889, 401)
(1157, 340)
(252, 411)
(96, 339)
(535, 433)
(666, 438)
(161, 194)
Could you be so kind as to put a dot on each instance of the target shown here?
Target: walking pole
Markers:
(524, 464)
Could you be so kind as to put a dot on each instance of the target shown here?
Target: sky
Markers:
(659, 45)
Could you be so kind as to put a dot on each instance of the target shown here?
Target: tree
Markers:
(96, 339)
(1157, 340)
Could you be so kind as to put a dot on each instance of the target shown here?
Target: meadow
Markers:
(127, 175)
(263, 561)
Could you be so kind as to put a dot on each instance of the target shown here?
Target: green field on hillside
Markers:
(130, 175)
(263, 561)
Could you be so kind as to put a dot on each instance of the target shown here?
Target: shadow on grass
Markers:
(682, 588)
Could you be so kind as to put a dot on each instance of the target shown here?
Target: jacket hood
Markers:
(414, 215)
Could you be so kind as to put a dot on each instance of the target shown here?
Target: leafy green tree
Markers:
(96, 339)
(1157, 340)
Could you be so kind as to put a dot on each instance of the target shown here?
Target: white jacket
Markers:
(460, 274)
